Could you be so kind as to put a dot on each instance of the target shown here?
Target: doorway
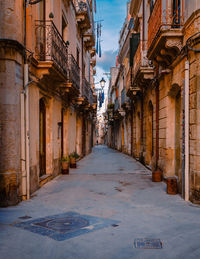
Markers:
(42, 137)
(177, 134)
(62, 132)
(149, 134)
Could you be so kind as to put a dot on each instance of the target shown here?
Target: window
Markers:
(83, 69)
(176, 13)
(64, 29)
(152, 2)
(77, 56)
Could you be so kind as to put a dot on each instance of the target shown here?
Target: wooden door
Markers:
(42, 135)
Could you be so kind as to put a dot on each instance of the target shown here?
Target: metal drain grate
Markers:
(147, 243)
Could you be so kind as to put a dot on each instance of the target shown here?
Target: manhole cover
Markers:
(65, 224)
(145, 243)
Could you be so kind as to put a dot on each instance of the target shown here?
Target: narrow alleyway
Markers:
(116, 203)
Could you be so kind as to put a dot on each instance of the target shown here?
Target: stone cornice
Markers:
(191, 19)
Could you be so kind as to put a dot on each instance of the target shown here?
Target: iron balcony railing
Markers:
(164, 15)
(74, 72)
(124, 97)
(117, 106)
(91, 96)
(50, 45)
(87, 91)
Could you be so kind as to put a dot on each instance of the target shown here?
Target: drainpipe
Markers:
(23, 152)
(157, 124)
(25, 124)
(27, 131)
(25, 142)
(187, 137)
(23, 121)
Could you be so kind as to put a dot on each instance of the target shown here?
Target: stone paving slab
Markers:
(141, 208)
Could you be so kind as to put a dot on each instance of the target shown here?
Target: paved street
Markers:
(116, 203)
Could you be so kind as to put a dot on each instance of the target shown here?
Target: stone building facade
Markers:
(47, 101)
(159, 86)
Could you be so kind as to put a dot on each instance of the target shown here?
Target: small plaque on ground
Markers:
(25, 217)
(147, 243)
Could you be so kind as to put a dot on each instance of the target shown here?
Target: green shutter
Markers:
(134, 42)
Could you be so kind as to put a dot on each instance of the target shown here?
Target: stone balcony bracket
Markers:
(144, 75)
(93, 52)
(69, 89)
(133, 91)
(166, 46)
(93, 62)
(89, 43)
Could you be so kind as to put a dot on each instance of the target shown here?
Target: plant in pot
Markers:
(65, 164)
(73, 157)
(110, 107)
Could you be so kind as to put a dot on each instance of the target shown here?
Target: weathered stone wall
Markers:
(34, 136)
(11, 83)
(191, 27)
(11, 20)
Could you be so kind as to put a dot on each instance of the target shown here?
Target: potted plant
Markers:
(65, 164)
(157, 175)
(73, 157)
(110, 106)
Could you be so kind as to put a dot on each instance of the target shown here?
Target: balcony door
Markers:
(41, 45)
(42, 10)
(176, 13)
(42, 135)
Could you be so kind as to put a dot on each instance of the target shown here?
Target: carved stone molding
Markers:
(174, 43)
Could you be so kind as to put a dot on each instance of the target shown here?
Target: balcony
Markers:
(142, 67)
(131, 89)
(87, 92)
(125, 100)
(93, 52)
(94, 101)
(164, 31)
(73, 79)
(89, 37)
(83, 14)
(117, 105)
(51, 51)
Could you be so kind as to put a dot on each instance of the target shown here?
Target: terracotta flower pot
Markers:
(172, 187)
(65, 167)
(72, 162)
(157, 176)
